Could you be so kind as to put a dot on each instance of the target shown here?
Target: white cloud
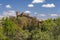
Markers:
(9, 13)
(54, 15)
(59, 15)
(1, 16)
(35, 13)
(27, 12)
(0, 4)
(48, 5)
(42, 15)
(30, 5)
(38, 1)
(8, 6)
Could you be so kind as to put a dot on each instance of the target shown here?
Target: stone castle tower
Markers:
(22, 14)
(18, 13)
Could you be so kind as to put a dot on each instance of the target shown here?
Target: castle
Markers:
(22, 14)
(27, 15)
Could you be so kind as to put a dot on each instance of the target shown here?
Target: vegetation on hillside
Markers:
(25, 28)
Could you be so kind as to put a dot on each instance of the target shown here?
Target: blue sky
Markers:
(42, 9)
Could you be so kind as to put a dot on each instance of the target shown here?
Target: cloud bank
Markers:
(48, 5)
(38, 1)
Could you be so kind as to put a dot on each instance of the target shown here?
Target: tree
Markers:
(48, 25)
(2, 36)
(56, 31)
(13, 31)
(38, 35)
(9, 28)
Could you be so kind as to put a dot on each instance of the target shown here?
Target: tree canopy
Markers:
(25, 28)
